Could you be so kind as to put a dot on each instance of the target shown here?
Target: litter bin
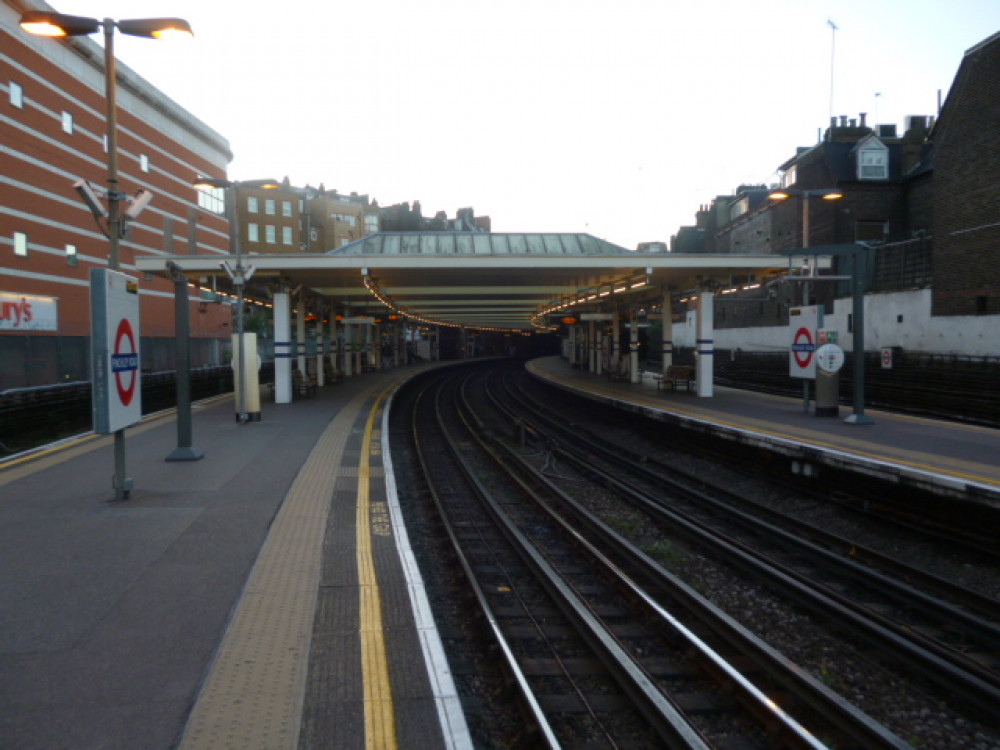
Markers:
(829, 360)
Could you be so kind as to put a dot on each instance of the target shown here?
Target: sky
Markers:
(618, 118)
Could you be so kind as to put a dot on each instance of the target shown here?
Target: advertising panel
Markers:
(28, 312)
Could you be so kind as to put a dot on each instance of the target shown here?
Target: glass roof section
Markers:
(479, 243)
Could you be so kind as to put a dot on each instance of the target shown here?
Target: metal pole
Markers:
(111, 86)
(236, 246)
(121, 483)
(182, 324)
(858, 313)
(805, 287)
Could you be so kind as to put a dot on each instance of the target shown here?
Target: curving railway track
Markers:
(603, 646)
(932, 628)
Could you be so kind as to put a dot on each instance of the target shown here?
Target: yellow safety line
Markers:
(380, 715)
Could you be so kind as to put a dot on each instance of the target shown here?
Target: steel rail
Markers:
(974, 683)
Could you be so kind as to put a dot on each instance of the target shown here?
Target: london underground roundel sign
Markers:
(115, 357)
(803, 347)
(802, 325)
(125, 362)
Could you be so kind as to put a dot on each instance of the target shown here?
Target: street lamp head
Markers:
(203, 183)
(156, 28)
(827, 194)
(44, 23)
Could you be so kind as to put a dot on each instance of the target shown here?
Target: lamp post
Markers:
(238, 273)
(44, 23)
(827, 194)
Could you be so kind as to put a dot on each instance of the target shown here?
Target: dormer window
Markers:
(873, 160)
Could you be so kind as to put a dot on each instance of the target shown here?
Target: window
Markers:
(789, 177)
(67, 123)
(71, 258)
(873, 164)
(371, 223)
(143, 162)
(269, 235)
(253, 232)
(16, 95)
(252, 206)
(286, 235)
(286, 208)
(346, 219)
(269, 207)
(212, 199)
(21, 244)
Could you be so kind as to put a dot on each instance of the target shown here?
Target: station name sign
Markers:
(28, 312)
(115, 357)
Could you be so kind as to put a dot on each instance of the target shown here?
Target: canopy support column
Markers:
(282, 349)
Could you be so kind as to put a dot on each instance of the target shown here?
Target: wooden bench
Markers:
(674, 376)
(620, 372)
(303, 386)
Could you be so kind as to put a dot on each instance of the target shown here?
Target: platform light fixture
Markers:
(239, 275)
(827, 194)
(51, 24)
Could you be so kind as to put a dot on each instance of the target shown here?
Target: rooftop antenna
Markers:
(878, 95)
(833, 42)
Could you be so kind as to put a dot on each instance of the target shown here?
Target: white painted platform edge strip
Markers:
(449, 707)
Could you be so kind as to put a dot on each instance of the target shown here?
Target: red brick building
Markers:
(52, 135)
(967, 188)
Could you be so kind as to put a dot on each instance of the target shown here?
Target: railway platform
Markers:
(265, 596)
(957, 460)
(261, 597)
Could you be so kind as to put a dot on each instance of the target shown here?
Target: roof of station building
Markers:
(480, 243)
(474, 279)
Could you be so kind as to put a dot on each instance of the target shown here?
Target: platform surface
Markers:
(264, 596)
(256, 598)
(960, 457)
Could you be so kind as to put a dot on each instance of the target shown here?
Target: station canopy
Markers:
(475, 279)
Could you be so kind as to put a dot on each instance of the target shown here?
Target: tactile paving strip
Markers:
(253, 695)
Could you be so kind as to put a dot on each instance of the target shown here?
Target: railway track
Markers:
(598, 659)
(926, 626)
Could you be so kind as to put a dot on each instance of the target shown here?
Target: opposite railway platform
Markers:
(951, 458)
(266, 597)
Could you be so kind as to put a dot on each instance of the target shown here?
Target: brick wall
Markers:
(966, 200)
(40, 161)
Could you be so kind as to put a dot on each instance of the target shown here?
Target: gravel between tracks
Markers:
(905, 707)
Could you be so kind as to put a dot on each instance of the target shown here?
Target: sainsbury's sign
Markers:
(28, 312)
